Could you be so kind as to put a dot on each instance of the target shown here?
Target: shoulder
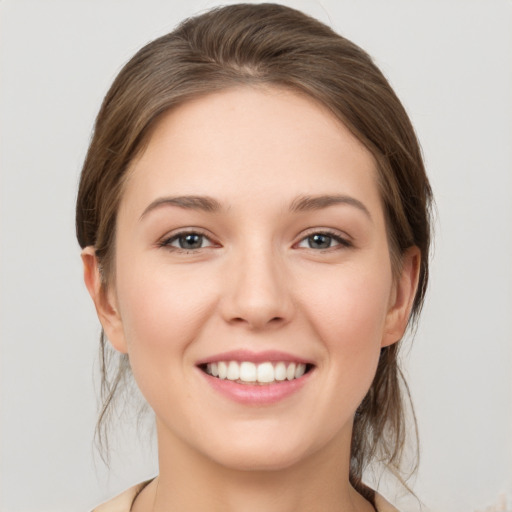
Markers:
(382, 505)
(123, 502)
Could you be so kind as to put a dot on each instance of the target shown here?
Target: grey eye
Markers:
(319, 241)
(324, 241)
(189, 241)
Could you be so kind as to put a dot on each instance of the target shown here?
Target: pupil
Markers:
(319, 241)
(191, 241)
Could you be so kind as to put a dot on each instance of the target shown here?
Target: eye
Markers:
(188, 241)
(322, 241)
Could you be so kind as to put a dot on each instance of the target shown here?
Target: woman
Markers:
(254, 218)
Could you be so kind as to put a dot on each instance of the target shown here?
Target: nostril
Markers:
(257, 322)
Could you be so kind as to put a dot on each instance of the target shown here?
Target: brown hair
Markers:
(267, 44)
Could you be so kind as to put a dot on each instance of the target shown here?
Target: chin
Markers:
(257, 459)
(255, 450)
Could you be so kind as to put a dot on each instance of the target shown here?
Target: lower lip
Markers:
(250, 394)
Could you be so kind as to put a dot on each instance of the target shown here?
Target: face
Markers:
(253, 288)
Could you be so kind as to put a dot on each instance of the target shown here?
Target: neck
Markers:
(190, 481)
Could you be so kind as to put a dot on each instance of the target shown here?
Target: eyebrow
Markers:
(204, 203)
(309, 203)
(300, 204)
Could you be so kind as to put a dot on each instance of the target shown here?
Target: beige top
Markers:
(123, 502)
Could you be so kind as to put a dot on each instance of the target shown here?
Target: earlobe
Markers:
(104, 302)
(403, 297)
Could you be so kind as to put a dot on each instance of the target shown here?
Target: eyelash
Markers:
(335, 236)
(341, 242)
(166, 242)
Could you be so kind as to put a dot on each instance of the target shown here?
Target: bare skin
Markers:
(299, 488)
(253, 222)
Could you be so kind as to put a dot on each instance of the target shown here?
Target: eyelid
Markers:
(166, 240)
(342, 239)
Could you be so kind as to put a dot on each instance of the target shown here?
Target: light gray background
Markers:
(449, 61)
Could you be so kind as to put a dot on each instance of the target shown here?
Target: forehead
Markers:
(261, 141)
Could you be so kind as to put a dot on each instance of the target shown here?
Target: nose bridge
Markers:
(258, 293)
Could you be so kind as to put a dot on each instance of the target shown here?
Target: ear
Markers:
(402, 297)
(104, 300)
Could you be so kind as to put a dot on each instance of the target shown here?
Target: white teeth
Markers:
(233, 371)
(248, 372)
(223, 369)
(300, 370)
(280, 371)
(263, 373)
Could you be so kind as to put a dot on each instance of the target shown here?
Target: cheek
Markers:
(162, 311)
(352, 303)
(350, 319)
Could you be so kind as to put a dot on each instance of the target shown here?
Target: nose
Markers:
(257, 293)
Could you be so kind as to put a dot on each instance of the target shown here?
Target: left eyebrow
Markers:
(308, 203)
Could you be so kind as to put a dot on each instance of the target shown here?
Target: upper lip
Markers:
(254, 357)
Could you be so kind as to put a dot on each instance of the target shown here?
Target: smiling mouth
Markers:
(247, 372)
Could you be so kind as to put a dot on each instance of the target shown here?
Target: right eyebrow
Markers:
(203, 203)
